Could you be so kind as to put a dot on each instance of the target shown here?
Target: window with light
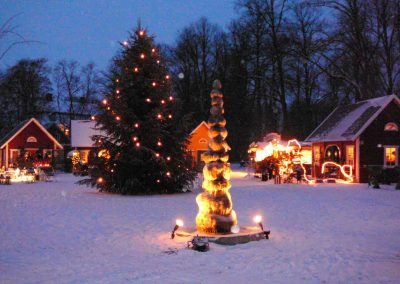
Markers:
(391, 156)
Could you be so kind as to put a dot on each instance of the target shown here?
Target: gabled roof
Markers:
(347, 123)
(198, 126)
(20, 127)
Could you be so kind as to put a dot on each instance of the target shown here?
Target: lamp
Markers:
(178, 223)
(257, 219)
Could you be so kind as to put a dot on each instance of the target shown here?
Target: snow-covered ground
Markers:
(60, 232)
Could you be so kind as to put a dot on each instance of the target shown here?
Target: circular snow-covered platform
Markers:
(245, 235)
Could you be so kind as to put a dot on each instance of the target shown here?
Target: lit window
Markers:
(31, 139)
(317, 154)
(391, 155)
(350, 155)
(391, 126)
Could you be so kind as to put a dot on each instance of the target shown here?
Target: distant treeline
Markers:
(284, 65)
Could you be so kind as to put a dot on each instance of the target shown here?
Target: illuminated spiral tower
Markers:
(215, 204)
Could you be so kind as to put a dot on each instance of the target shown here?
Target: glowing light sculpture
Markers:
(216, 215)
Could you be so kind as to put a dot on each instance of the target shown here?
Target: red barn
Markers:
(198, 142)
(362, 135)
(28, 137)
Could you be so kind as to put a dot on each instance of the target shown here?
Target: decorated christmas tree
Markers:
(142, 149)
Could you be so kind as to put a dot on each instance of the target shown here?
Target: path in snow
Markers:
(60, 232)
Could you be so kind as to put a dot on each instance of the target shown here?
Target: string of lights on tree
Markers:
(151, 92)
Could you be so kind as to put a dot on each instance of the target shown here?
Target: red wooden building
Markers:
(361, 135)
(29, 137)
(198, 142)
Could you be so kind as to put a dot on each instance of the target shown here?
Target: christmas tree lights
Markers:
(139, 159)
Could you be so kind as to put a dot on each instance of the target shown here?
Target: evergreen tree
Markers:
(142, 150)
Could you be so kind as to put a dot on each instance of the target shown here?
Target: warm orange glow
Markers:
(159, 143)
(157, 155)
(142, 56)
(104, 102)
(93, 117)
(104, 153)
(171, 98)
(257, 219)
(118, 118)
(100, 180)
(276, 149)
(159, 116)
(117, 91)
(348, 176)
(135, 138)
(168, 174)
(169, 115)
(153, 50)
(167, 77)
(179, 222)
(154, 84)
(148, 100)
(137, 144)
(216, 214)
(136, 125)
(162, 101)
(168, 158)
(158, 61)
(117, 80)
(141, 33)
(136, 69)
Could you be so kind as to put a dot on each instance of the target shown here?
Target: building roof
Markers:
(198, 126)
(21, 126)
(347, 123)
(82, 132)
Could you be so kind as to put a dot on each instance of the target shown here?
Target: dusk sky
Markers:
(89, 30)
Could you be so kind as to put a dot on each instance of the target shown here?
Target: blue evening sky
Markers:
(89, 30)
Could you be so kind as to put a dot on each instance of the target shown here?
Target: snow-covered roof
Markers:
(346, 123)
(82, 132)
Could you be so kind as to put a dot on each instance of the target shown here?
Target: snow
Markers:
(60, 232)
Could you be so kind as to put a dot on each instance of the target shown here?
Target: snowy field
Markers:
(60, 232)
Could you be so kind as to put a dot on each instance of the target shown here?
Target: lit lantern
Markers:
(257, 219)
(178, 223)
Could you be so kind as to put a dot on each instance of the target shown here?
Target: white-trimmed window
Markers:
(31, 139)
(391, 156)
(14, 154)
(391, 126)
